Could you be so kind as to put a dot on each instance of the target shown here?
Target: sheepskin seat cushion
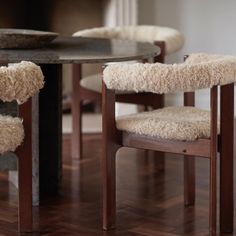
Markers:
(142, 33)
(94, 83)
(20, 81)
(197, 72)
(174, 123)
(11, 133)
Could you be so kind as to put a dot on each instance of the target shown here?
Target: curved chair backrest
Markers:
(199, 71)
(20, 81)
(173, 39)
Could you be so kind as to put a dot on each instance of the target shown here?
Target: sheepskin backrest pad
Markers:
(20, 81)
(11, 133)
(198, 72)
(174, 123)
(143, 33)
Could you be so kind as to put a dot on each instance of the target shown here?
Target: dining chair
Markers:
(89, 88)
(182, 130)
(19, 82)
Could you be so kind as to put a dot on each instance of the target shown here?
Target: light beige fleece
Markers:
(11, 133)
(174, 123)
(20, 81)
(197, 72)
(94, 83)
(173, 39)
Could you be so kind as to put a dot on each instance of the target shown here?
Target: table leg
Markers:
(50, 130)
(226, 158)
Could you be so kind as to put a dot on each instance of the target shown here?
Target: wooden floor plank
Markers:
(149, 201)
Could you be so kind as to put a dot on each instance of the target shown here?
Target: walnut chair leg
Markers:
(189, 163)
(25, 193)
(76, 138)
(213, 193)
(227, 158)
(159, 156)
(189, 180)
(213, 164)
(76, 108)
(213, 198)
(110, 147)
(24, 153)
(109, 191)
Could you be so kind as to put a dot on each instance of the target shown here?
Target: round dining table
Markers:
(66, 50)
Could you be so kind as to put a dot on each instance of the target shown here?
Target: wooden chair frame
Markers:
(79, 94)
(24, 157)
(24, 154)
(114, 139)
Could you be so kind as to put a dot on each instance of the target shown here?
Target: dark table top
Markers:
(65, 50)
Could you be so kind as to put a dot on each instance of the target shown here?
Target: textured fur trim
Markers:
(198, 72)
(143, 33)
(177, 123)
(20, 81)
(94, 83)
(11, 133)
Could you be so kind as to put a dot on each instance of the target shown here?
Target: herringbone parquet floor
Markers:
(149, 202)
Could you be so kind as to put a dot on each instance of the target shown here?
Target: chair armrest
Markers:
(163, 78)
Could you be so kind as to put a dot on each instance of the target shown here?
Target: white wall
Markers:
(208, 26)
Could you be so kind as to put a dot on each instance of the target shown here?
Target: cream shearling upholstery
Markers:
(11, 133)
(20, 81)
(197, 72)
(94, 83)
(173, 39)
(178, 123)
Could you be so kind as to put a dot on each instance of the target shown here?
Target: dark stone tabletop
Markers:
(82, 50)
